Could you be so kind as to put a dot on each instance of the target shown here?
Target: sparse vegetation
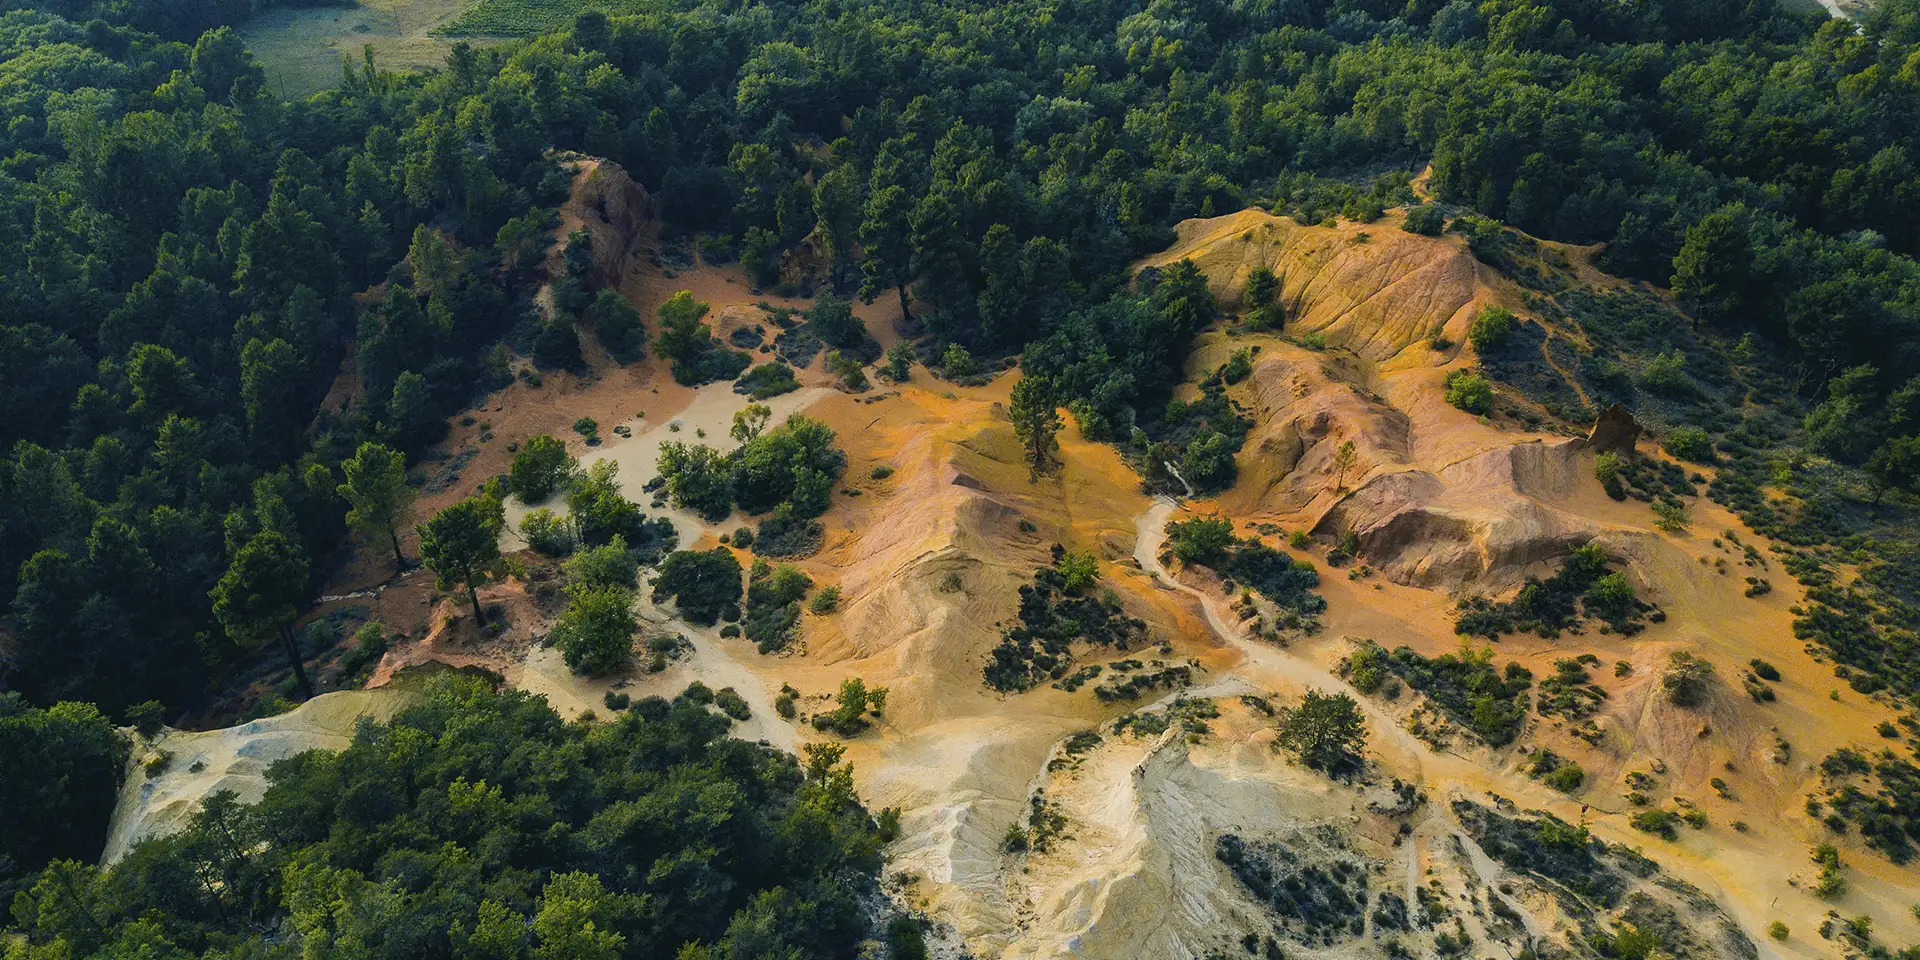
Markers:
(787, 471)
(1052, 619)
(855, 704)
(1881, 796)
(1670, 515)
(1583, 587)
(1315, 895)
(1466, 687)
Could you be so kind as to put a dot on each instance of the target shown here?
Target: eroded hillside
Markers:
(1133, 802)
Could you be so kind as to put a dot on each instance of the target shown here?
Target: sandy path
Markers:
(1270, 661)
(712, 661)
(710, 413)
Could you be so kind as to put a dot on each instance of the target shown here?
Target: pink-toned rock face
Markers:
(614, 210)
(1615, 432)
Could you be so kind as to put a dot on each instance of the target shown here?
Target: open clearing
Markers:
(528, 18)
(301, 48)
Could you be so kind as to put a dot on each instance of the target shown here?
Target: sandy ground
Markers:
(931, 556)
(233, 758)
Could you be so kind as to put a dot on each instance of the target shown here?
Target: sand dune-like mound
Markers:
(1493, 514)
(1373, 289)
(1358, 438)
(233, 759)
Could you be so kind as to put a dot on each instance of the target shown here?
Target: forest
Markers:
(186, 259)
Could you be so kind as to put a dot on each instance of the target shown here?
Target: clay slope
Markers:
(1375, 289)
(1436, 496)
(615, 211)
(234, 759)
(1488, 516)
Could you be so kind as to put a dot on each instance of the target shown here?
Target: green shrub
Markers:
(1686, 680)
(768, 380)
(1665, 373)
(1567, 778)
(547, 532)
(1658, 822)
(957, 362)
(1238, 367)
(1670, 515)
(1490, 328)
(1470, 391)
(1424, 219)
(595, 635)
(703, 584)
(1607, 470)
(826, 601)
(541, 467)
(1689, 443)
(732, 704)
(1202, 540)
(1078, 570)
(146, 718)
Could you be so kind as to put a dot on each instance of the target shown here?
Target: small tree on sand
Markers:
(1326, 731)
(461, 545)
(1344, 460)
(1036, 421)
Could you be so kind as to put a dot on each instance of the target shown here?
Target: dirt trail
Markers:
(1269, 660)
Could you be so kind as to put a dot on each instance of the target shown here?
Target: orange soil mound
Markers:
(1374, 288)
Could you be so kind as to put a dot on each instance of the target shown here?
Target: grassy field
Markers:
(301, 48)
(527, 18)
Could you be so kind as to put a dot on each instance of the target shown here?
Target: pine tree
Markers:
(461, 545)
(260, 596)
(1036, 421)
(377, 494)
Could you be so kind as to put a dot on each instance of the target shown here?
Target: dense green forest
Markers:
(187, 254)
(477, 824)
(185, 260)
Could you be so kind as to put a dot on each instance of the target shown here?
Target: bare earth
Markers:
(931, 558)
